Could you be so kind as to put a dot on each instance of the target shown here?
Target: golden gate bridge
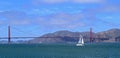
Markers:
(18, 37)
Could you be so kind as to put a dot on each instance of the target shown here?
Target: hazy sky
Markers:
(36, 17)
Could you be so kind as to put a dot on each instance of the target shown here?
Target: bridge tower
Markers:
(9, 38)
(90, 35)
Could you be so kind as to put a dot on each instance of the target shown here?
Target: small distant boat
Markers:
(81, 41)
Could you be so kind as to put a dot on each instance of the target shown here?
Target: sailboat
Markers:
(81, 41)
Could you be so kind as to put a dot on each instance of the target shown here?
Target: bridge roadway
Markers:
(34, 37)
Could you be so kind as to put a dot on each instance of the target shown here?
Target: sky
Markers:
(38, 17)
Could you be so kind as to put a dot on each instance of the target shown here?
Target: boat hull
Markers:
(79, 44)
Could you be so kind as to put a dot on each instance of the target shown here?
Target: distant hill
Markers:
(111, 34)
(64, 36)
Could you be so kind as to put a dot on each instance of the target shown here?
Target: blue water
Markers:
(101, 50)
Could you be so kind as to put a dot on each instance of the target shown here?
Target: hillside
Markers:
(65, 36)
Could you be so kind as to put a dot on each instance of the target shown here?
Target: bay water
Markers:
(95, 50)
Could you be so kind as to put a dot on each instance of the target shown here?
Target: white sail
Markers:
(80, 42)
